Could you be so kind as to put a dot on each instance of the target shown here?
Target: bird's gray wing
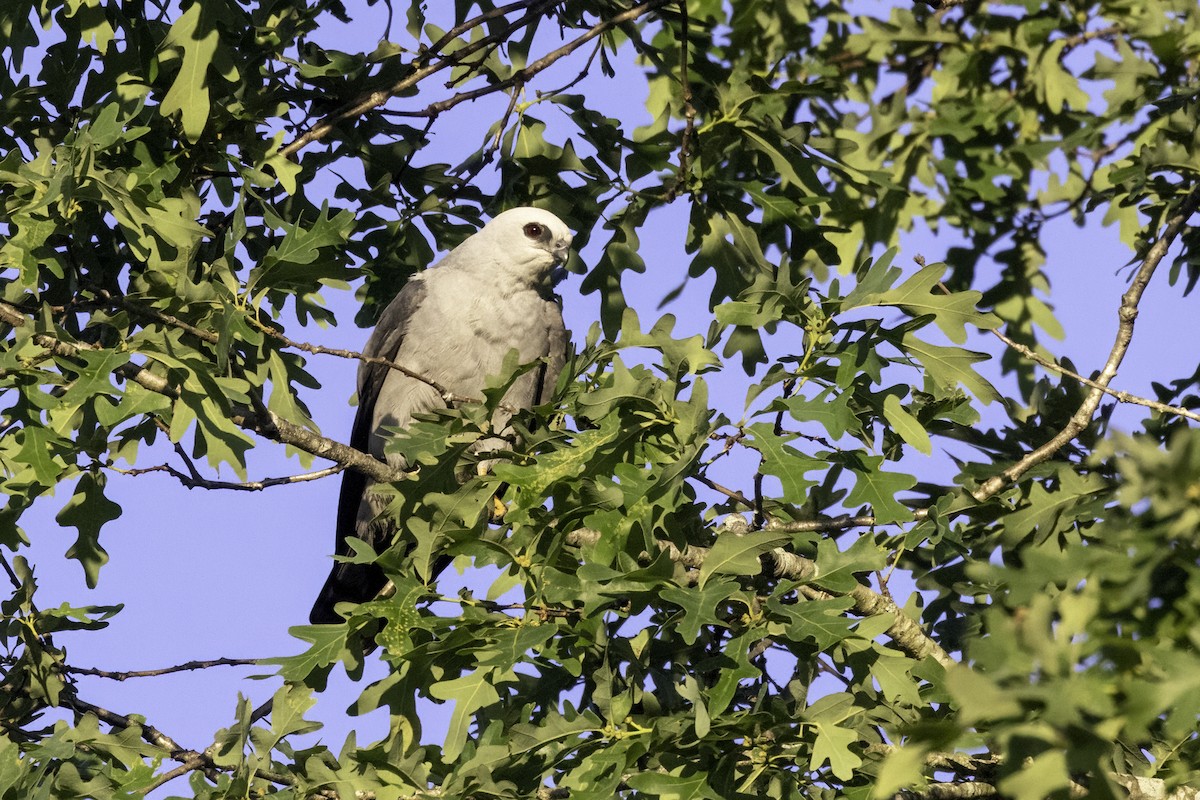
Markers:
(556, 352)
(359, 583)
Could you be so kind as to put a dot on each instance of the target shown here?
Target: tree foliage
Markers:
(180, 183)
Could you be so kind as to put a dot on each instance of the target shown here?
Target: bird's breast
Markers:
(472, 334)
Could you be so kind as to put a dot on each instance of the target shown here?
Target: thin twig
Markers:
(1087, 36)
(1126, 314)
(189, 764)
(194, 482)
(730, 493)
(1123, 397)
(689, 110)
(373, 100)
(187, 460)
(151, 673)
(447, 396)
(212, 337)
(272, 426)
(153, 313)
(12, 575)
(521, 77)
(422, 70)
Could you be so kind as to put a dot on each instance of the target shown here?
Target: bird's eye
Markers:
(534, 230)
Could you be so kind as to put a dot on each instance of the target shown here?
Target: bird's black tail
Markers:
(347, 583)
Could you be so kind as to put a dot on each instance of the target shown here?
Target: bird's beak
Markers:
(564, 263)
(561, 251)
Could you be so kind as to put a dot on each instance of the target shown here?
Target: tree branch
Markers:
(982, 766)
(197, 482)
(447, 396)
(150, 734)
(268, 425)
(211, 337)
(373, 100)
(280, 430)
(689, 110)
(1122, 397)
(1126, 314)
(150, 673)
(906, 633)
(422, 69)
(832, 524)
(191, 759)
(951, 791)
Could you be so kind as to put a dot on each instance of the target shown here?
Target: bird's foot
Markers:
(498, 510)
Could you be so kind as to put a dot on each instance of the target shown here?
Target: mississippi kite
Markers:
(452, 324)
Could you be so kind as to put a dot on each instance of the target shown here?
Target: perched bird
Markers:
(452, 324)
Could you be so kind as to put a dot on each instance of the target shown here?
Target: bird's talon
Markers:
(498, 509)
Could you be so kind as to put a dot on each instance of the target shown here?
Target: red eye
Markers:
(534, 230)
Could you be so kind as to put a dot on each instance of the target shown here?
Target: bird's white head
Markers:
(530, 241)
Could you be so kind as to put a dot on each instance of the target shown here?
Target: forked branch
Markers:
(1127, 314)
(429, 64)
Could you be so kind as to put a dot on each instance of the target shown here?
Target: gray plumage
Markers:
(453, 324)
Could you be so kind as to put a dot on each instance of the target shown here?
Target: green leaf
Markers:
(1046, 508)
(737, 650)
(830, 408)
(672, 786)
(328, 647)
(565, 463)
(919, 296)
(94, 378)
(876, 488)
(833, 745)
(1039, 777)
(1058, 87)
(288, 707)
(554, 728)
(11, 767)
(906, 425)
(949, 366)
(687, 354)
(690, 690)
(978, 697)
(282, 400)
(87, 511)
(38, 446)
(307, 257)
(189, 91)
(470, 693)
(508, 647)
(738, 554)
(893, 671)
(822, 621)
(904, 768)
(699, 605)
(837, 570)
(784, 462)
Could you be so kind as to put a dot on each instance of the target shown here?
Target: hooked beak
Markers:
(562, 250)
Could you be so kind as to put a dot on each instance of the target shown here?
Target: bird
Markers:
(452, 324)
